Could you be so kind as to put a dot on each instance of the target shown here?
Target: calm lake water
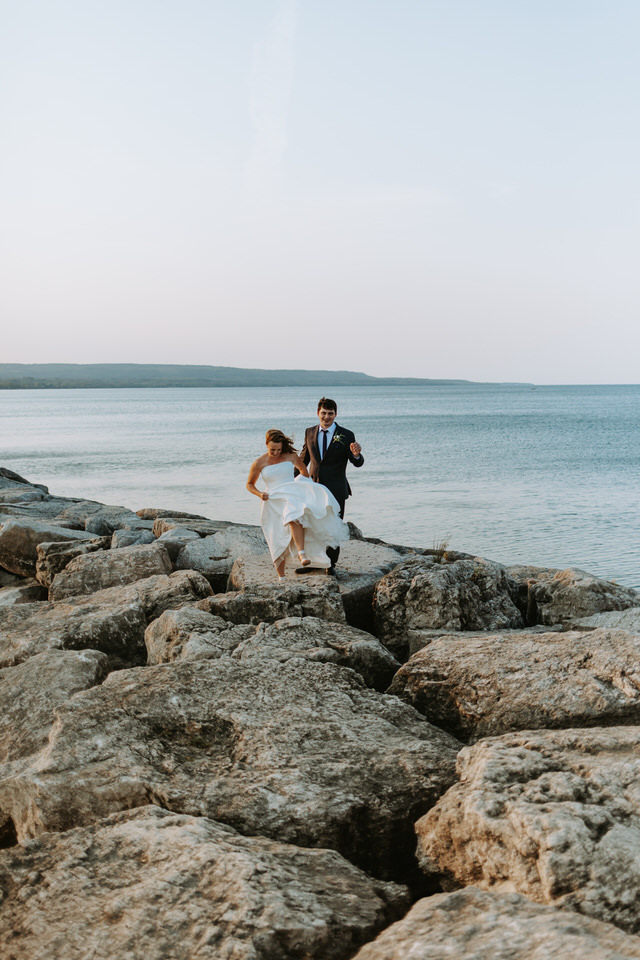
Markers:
(542, 475)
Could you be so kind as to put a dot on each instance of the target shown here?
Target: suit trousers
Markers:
(334, 552)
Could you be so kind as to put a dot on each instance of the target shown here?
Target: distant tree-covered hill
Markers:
(37, 376)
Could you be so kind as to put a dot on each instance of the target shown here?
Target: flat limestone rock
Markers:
(255, 595)
(300, 752)
(482, 686)
(47, 509)
(477, 925)
(113, 620)
(200, 525)
(628, 620)
(15, 495)
(118, 517)
(419, 639)
(430, 593)
(215, 555)
(19, 538)
(110, 568)
(553, 815)
(152, 884)
(154, 513)
(564, 596)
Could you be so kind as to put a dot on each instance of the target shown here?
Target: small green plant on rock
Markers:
(440, 550)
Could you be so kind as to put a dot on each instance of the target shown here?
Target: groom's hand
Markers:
(355, 449)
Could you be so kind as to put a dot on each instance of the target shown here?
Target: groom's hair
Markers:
(327, 404)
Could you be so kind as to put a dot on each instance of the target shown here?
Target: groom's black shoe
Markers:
(331, 572)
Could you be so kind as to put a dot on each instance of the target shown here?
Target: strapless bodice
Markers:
(275, 474)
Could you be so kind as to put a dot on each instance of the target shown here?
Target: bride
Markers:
(297, 515)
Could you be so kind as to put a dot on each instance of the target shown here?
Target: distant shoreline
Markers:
(82, 376)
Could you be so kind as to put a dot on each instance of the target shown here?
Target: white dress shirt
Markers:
(330, 433)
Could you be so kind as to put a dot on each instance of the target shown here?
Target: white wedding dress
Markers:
(300, 499)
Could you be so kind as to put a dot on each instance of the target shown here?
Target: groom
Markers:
(327, 449)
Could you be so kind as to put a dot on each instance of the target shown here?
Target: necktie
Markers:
(324, 443)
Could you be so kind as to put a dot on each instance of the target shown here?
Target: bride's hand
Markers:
(264, 496)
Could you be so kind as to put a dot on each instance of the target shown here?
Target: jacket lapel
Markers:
(315, 441)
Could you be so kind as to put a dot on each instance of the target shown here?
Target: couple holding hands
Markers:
(302, 514)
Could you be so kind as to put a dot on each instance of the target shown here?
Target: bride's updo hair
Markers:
(277, 436)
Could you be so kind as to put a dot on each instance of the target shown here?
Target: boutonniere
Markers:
(338, 438)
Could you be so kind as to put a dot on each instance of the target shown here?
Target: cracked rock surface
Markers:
(554, 815)
(297, 751)
(186, 888)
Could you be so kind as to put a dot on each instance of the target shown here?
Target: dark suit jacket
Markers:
(332, 470)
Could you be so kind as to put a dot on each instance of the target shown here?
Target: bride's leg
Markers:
(280, 566)
(297, 533)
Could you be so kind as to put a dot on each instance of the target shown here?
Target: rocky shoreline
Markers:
(430, 755)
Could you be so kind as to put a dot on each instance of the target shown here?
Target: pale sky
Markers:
(430, 188)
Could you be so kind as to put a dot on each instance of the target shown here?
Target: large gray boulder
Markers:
(175, 540)
(111, 568)
(161, 593)
(130, 538)
(115, 627)
(112, 620)
(51, 558)
(19, 538)
(157, 885)
(564, 596)
(477, 925)
(29, 694)
(554, 815)
(322, 642)
(428, 593)
(362, 564)
(300, 752)
(9, 479)
(26, 591)
(190, 633)
(215, 555)
(193, 634)
(486, 685)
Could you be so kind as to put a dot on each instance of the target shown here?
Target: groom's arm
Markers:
(305, 456)
(356, 458)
